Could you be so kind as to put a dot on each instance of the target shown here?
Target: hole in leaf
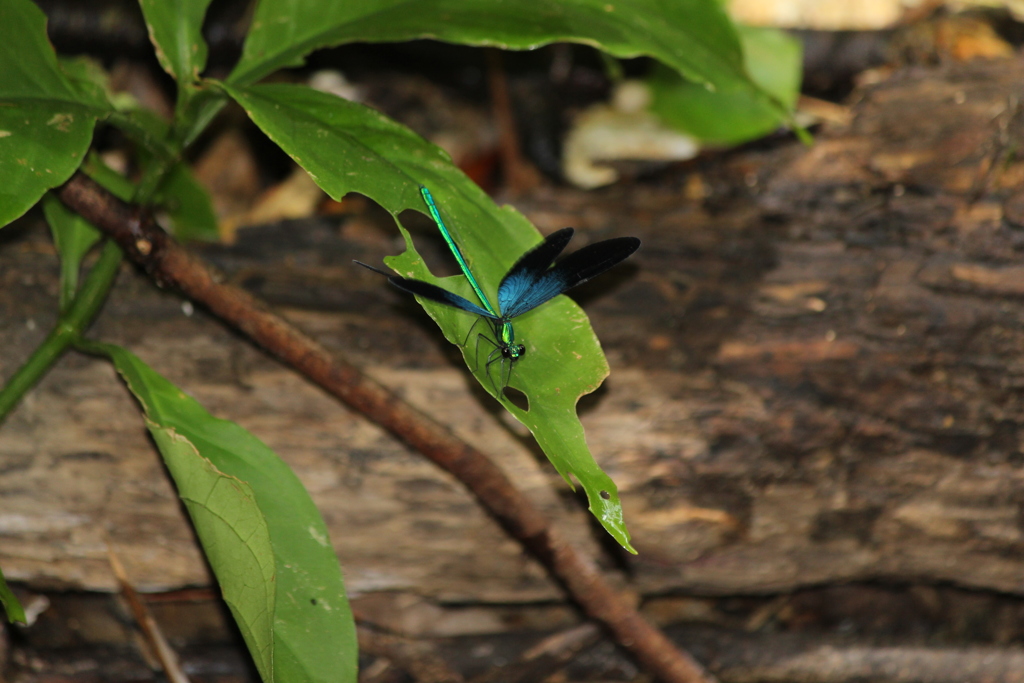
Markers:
(429, 243)
(517, 398)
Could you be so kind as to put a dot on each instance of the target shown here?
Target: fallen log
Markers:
(815, 379)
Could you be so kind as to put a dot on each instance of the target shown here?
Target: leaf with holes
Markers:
(347, 147)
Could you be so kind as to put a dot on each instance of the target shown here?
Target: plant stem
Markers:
(69, 328)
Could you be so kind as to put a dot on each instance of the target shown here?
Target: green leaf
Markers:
(347, 147)
(27, 59)
(735, 114)
(262, 535)
(41, 144)
(10, 603)
(73, 236)
(175, 29)
(693, 36)
(235, 538)
(186, 202)
(196, 111)
(46, 122)
(87, 76)
(112, 181)
(151, 133)
(171, 184)
(188, 205)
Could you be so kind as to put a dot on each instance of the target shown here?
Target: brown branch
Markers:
(171, 266)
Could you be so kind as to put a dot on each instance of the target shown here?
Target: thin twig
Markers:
(171, 266)
(158, 644)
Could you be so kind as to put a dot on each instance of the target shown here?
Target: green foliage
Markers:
(10, 602)
(563, 358)
(262, 535)
(388, 163)
(74, 236)
(693, 36)
(42, 142)
(46, 121)
(187, 205)
(88, 78)
(112, 181)
(735, 113)
(175, 29)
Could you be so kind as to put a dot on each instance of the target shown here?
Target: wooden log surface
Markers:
(816, 377)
